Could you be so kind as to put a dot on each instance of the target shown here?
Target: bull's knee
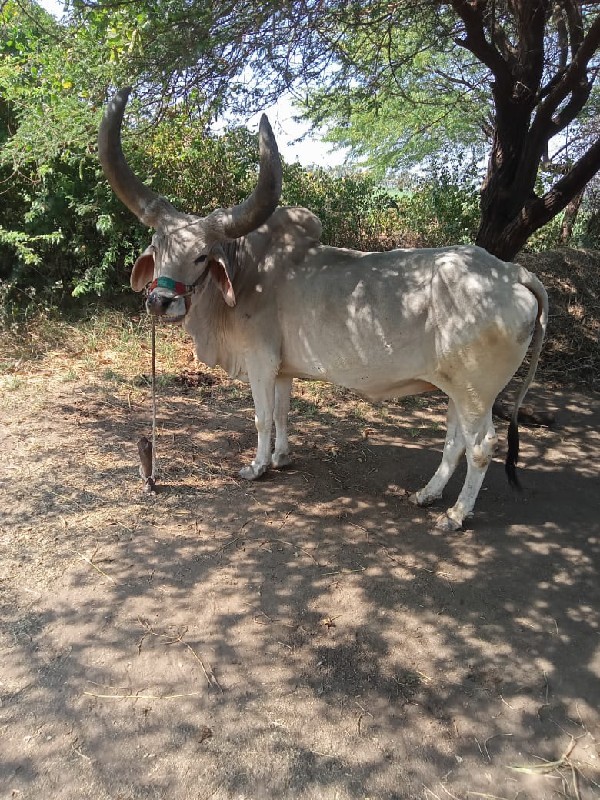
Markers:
(262, 423)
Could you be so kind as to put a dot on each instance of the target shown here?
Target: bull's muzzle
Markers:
(170, 307)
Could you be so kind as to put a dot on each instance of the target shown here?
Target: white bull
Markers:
(262, 298)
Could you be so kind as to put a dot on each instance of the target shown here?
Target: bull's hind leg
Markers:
(454, 447)
(480, 442)
(281, 453)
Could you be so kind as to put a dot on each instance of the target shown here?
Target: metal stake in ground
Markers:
(147, 449)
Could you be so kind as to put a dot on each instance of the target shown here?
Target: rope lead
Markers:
(146, 448)
(153, 475)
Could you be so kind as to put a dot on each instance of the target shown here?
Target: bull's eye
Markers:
(200, 259)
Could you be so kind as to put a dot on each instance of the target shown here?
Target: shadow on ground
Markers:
(308, 636)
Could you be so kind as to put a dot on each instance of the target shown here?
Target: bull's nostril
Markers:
(157, 304)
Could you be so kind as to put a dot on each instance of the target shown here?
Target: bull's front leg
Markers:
(281, 453)
(262, 384)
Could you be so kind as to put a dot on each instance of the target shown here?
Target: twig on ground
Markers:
(94, 566)
(206, 668)
(345, 571)
(285, 519)
(139, 696)
(356, 525)
(489, 739)
(547, 766)
(77, 751)
(453, 796)
(296, 547)
(485, 796)
(365, 713)
(564, 762)
(262, 613)
(229, 543)
(178, 639)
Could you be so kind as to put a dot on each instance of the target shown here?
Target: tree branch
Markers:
(543, 209)
(475, 41)
(573, 76)
(575, 22)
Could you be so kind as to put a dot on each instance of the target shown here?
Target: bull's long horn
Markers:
(256, 209)
(148, 206)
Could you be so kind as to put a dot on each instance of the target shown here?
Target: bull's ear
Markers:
(143, 270)
(221, 272)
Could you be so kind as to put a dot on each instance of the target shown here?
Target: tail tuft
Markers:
(512, 456)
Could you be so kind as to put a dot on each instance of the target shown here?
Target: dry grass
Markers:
(571, 355)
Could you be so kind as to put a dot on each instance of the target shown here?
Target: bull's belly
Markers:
(372, 380)
(373, 347)
(386, 390)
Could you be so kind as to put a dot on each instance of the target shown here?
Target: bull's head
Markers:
(185, 248)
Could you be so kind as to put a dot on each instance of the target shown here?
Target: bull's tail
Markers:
(535, 286)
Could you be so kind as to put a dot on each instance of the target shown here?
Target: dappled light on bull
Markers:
(277, 305)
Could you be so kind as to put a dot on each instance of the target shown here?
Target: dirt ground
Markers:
(305, 636)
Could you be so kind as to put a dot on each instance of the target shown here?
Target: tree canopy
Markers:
(393, 80)
(401, 83)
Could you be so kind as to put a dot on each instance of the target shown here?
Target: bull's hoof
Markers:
(418, 500)
(280, 460)
(252, 472)
(447, 524)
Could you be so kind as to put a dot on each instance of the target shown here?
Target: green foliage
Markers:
(397, 99)
(404, 84)
(53, 80)
(357, 212)
(199, 171)
(64, 235)
(52, 86)
(443, 207)
(351, 208)
(584, 234)
(24, 246)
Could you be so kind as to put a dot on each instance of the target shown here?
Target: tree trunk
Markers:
(530, 110)
(504, 226)
(502, 241)
(509, 216)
